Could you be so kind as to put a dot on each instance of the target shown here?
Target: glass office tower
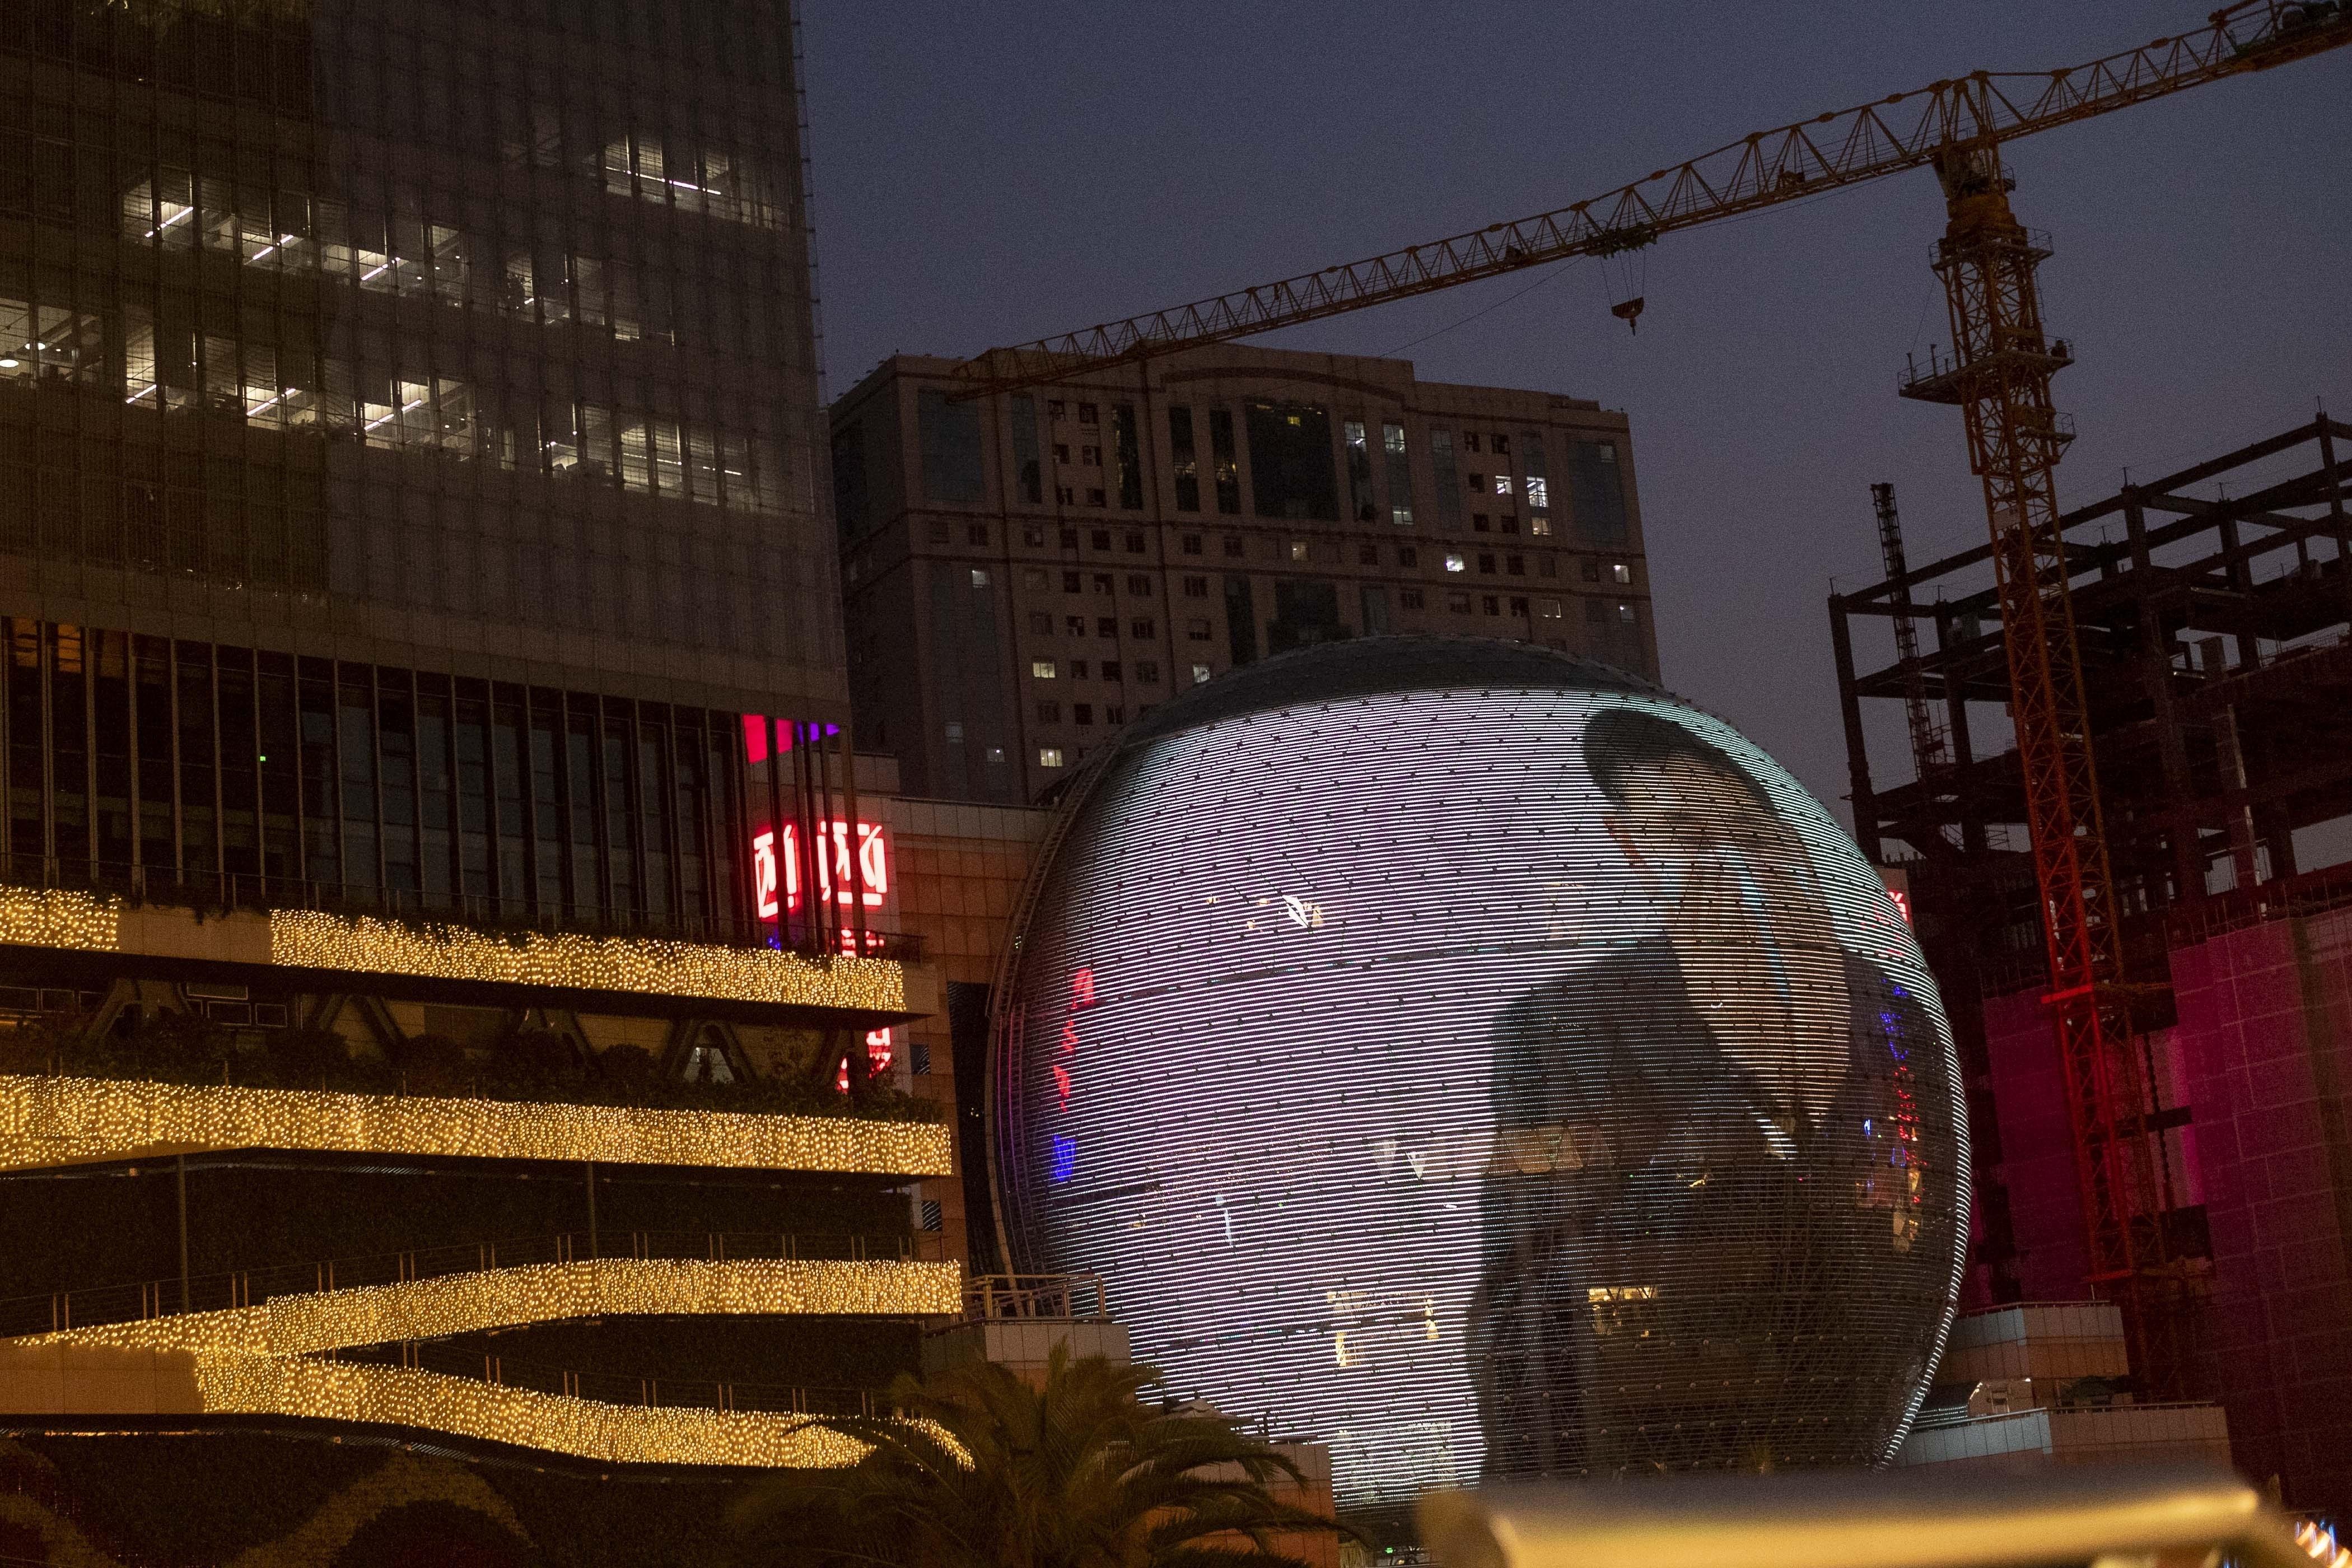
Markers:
(408, 475)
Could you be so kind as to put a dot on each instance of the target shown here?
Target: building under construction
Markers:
(2213, 611)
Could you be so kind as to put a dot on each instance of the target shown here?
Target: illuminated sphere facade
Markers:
(1480, 1061)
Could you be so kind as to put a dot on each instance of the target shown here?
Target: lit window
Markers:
(1298, 549)
(978, 578)
(1049, 756)
(1622, 573)
(955, 730)
(1200, 675)
(1549, 608)
(1625, 613)
(1043, 669)
(1454, 562)
(1539, 493)
(1502, 484)
(1541, 525)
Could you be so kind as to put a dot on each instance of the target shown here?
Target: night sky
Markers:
(990, 174)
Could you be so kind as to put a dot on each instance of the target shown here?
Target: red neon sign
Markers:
(776, 869)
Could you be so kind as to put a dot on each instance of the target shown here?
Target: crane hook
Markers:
(1629, 311)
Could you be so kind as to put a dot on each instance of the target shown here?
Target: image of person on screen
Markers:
(1707, 1149)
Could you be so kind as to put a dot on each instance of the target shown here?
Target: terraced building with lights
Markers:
(448, 987)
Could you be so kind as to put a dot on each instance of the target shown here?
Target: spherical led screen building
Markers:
(1483, 1063)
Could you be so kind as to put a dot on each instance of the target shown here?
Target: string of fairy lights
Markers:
(61, 1120)
(308, 939)
(591, 1429)
(34, 917)
(310, 1323)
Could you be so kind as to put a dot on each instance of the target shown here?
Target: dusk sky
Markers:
(991, 175)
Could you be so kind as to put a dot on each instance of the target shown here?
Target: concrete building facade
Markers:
(1023, 574)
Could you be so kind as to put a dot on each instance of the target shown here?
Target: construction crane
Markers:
(1930, 751)
(1998, 375)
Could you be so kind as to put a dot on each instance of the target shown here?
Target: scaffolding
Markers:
(2213, 611)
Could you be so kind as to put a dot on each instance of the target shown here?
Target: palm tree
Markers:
(983, 1470)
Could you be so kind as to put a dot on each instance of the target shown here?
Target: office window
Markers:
(1077, 669)
(1196, 587)
(1197, 629)
(1138, 586)
(1375, 607)
(1548, 608)
(1035, 577)
(1090, 457)
(1477, 484)
(1486, 564)
(1033, 534)
(1518, 605)
(1446, 478)
(1233, 544)
(1360, 469)
(1071, 581)
(1502, 484)
(1057, 409)
(1135, 540)
(1089, 414)
(1539, 480)
(939, 530)
(1625, 614)
(1183, 462)
(975, 534)
(1041, 623)
(1049, 712)
(1094, 497)
(1596, 493)
(1069, 539)
(1490, 603)
(1082, 713)
(1400, 475)
(1099, 537)
(1548, 565)
(1075, 625)
(1226, 464)
(1147, 671)
(1066, 495)
(1141, 628)
(1455, 563)
(949, 434)
(1062, 453)
(1043, 669)
(1368, 555)
(1029, 475)
(1191, 543)
(1115, 713)
(1298, 549)
(1458, 603)
(1469, 440)
(1102, 583)
(1291, 472)
(1110, 669)
(1407, 556)
(1200, 675)
(1516, 565)
(1620, 572)
(1590, 569)
(978, 578)
(1049, 756)
(1498, 442)
(1106, 625)
(1481, 523)
(1409, 598)
(1509, 525)
(1127, 459)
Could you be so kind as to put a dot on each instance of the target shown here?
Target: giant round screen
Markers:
(1482, 1062)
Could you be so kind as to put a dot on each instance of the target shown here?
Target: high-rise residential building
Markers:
(1026, 572)
(435, 910)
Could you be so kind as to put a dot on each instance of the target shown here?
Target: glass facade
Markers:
(407, 451)
(396, 329)
(1582, 1106)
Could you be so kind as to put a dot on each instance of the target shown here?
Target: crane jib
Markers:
(1830, 151)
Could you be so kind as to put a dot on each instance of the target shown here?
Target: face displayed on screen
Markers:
(1332, 1018)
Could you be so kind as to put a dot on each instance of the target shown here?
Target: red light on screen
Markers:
(755, 738)
(776, 868)
(1902, 903)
